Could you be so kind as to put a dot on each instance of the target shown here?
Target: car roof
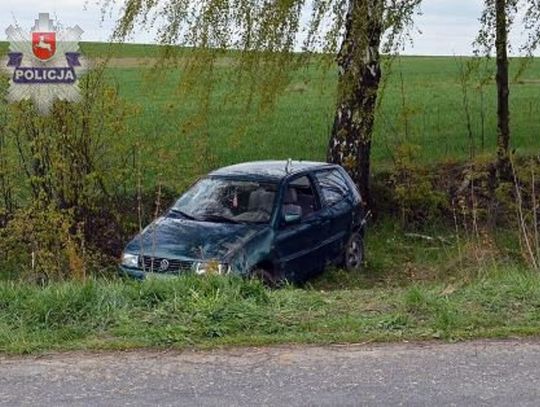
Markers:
(274, 170)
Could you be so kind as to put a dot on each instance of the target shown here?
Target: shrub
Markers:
(416, 197)
(66, 176)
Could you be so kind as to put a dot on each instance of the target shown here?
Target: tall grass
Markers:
(202, 312)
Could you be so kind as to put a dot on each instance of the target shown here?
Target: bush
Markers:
(40, 243)
(414, 193)
(65, 177)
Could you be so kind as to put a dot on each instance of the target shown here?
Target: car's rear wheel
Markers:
(354, 253)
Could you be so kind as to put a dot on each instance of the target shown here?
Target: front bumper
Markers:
(140, 274)
(151, 266)
(134, 273)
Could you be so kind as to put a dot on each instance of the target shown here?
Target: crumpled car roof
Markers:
(274, 170)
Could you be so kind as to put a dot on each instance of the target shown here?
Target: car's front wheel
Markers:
(270, 278)
(354, 252)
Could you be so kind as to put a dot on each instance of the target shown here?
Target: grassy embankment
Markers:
(208, 312)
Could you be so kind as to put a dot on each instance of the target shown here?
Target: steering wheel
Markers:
(211, 206)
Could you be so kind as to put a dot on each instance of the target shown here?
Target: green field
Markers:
(433, 117)
(423, 104)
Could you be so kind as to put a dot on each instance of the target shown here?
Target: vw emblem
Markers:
(164, 265)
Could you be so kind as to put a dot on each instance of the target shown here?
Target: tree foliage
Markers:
(270, 37)
(257, 25)
(496, 22)
(60, 180)
(526, 11)
(270, 40)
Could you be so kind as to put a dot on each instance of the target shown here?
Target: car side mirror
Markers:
(292, 214)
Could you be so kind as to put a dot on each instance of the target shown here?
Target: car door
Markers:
(337, 212)
(297, 244)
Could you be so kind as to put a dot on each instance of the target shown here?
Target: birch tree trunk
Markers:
(503, 92)
(359, 78)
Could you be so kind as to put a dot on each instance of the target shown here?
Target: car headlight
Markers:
(211, 267)
(130, 260)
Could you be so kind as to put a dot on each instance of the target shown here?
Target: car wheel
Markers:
(354, 253)
(269, 277)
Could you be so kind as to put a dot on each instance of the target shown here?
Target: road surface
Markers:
(502, 373)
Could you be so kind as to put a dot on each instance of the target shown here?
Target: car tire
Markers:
(268, 277)
(353, 255)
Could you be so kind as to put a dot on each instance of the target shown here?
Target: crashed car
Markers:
(274, 220)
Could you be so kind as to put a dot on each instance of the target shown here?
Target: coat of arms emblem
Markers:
(44, 64)
(44, 45)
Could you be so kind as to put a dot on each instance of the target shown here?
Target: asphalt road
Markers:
(465, 374)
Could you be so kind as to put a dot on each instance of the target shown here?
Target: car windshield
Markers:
(226, 200)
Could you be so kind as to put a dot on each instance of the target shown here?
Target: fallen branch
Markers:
(427, 238)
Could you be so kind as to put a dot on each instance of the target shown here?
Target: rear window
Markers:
(333, 186)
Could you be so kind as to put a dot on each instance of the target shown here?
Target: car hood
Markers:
(175, 238)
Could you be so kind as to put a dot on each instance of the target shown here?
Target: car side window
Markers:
(300, 193)
(333, 186)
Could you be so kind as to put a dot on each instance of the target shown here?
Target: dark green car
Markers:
(275, 220)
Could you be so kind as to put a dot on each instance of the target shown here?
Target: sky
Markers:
(446, 27)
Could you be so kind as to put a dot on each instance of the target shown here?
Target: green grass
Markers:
(209, 312)
(300, 124)
(433, 116)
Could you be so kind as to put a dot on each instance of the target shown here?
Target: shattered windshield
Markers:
(226, 200)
